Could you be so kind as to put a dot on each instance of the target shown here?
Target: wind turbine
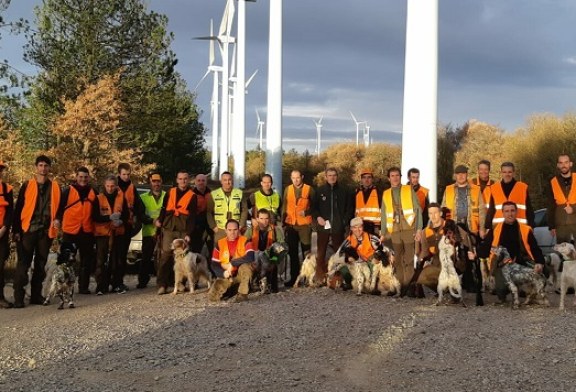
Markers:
(358, 123)
(259, 129)
(214, 104)
(318, 135)
(366, 134)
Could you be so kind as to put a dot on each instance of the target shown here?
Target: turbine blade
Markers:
(211, 52)
(320, 122)
(250, 78)
(353, 118)
(201, 80)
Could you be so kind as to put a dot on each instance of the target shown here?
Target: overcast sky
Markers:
(500, 61)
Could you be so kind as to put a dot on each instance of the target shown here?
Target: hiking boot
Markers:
(37, 300)
(18, 305)
(84, 291)
(141, 285)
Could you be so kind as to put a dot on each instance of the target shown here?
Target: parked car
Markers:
(543, 236)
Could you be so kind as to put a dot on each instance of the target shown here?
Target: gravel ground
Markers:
(297, 340)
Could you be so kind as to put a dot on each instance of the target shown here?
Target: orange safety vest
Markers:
(559, 196)
(429, 233)
(3, 202)
(405, 202)
(225, 252)
(364, 249)
(182, 207)
(486, 193)
(256, 236)
(130, 196)
(474, 198)
(525, 230)
(201, 202)
(295, 206)
(30, 196)
(78, 213)
(422, 194)
(369, 210)
(106, 228)
(518, 195)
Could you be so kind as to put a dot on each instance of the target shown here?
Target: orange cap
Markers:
(366, 171)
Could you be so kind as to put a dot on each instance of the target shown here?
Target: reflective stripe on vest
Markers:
(153, 208)
(224, 251)
(474, 198)
(78, 213)
(223, 205)
(183, 203)
(518, 195)
(106, 228)
(271, 203)
(295, 207)
(369, 211)
(405, 202)
(364, 249)
(30, 204)
(525, 230)
(3, 202)
(558, 192)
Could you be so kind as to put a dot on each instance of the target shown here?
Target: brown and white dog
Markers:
(448, 279)
(189, 265)
(383, 278)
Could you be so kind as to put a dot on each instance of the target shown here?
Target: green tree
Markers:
(77, 42)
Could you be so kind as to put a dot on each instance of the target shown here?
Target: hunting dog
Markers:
(267, 262)
(383, 278)
(568, 268)
(360, 271)
(448, 279)
(189, 265)
(517, 275)
(307, 270)
(63, 277)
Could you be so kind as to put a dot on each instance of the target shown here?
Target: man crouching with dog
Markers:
(232, 260)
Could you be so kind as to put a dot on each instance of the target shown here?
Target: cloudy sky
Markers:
(500, 61)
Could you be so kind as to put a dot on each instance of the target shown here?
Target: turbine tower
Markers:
(366, 135)
(224, 38)
(358, 123)
(259, 130)
(274, 116)
(419, 135)
(318, 135)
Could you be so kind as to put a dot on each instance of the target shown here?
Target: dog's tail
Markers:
(454, 293)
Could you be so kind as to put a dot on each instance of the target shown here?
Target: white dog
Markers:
(189, 265)
(307, 271)
(383, 277)
(448, 278)
(568, 278)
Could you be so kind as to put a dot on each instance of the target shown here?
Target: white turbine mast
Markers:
(366, 134)
(318, 135)
(358, 123)
(260, 130)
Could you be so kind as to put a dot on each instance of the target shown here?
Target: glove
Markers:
(115, 216)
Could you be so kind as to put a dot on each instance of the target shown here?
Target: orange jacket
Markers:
(183, 203)
(3, 202)
(78, 213)
(519, 195)
(30, 196)
(106, 228)
(294, 207)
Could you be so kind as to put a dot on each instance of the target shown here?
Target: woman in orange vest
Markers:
(75, 215)
(109, 212)
(34, 228)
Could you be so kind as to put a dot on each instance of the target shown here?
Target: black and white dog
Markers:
(63, 278)
(517, 275)
(266, 265)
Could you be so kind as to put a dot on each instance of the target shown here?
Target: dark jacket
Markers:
(335, 204)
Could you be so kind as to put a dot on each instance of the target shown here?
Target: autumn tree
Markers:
(88, 132)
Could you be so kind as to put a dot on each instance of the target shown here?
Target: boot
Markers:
(219, 287)
(420, 291)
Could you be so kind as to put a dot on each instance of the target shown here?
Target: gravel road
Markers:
(297, 340)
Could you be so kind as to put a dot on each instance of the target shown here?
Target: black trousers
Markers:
(85, 244)
(106, 258)
(147, 263)
(294, 247)
(200, 236)
(4, 253)
(118, 268)
(32, 247)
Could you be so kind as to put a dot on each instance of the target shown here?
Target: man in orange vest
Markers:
(6, 214)
(520, 242)
(360, 241)
(421, 193)
(34, 228)
(483, 180)
(136, 212)
(109, 214)
(202, 234)
(262, 236)
(403, 222)
(177, 221)
(75, 217)
(368, 201)
(297, 219)
(231, 262)
(562, 202)
(508, 189)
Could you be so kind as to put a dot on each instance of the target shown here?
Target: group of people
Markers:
(233, 226)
